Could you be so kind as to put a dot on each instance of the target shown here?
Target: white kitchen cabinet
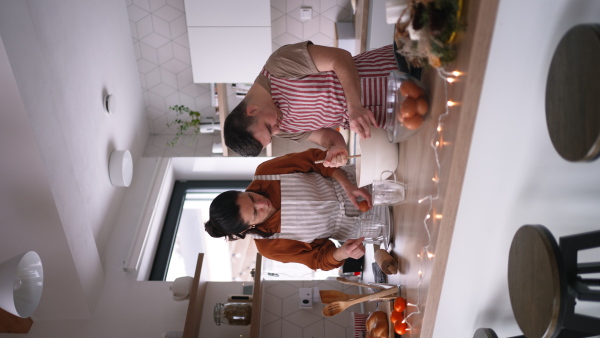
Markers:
(240, 13)
(230, 40)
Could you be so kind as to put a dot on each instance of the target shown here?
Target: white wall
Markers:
(514, 176)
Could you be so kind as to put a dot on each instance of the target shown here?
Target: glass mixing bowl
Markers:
(397, 130)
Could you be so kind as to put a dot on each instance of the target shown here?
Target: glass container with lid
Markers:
(233, 313)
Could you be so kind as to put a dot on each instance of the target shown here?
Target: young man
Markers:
(306, 90)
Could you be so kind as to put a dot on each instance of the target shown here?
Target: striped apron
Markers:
(317, 101)
(314, 206)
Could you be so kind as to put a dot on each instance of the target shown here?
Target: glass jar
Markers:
(233, 313)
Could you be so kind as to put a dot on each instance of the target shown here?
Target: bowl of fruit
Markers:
(407, 107)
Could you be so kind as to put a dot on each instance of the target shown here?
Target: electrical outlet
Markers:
(306, 297)
(305, 13)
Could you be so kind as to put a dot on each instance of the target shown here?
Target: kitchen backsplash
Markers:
(282, 316)
(159, 33)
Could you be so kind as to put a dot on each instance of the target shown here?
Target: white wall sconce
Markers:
(21, 283)
(120, 168)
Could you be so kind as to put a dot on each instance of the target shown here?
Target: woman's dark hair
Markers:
(236, 134)
(225, 220)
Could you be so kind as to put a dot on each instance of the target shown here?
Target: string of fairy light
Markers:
(436, 144)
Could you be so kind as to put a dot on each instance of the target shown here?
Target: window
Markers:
(183, 236)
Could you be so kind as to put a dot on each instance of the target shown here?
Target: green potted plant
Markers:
(184, 124)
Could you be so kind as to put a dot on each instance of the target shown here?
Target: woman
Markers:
(292, 208)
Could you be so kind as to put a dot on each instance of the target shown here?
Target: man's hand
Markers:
(360, 120)
(352, 248)
(337, 156)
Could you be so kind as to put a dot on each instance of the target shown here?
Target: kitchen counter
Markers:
(432, 164)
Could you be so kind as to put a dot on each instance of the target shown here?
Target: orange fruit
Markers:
(422, 106)
(396, 316)
(399, 304)
(400, 327)
(414, 122)
(363, 206)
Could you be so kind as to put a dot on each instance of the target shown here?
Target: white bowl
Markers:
(377, 155)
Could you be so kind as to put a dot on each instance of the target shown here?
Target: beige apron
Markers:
(314, 206)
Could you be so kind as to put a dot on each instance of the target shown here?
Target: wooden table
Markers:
(572, 96)
(536, 285)
(422, 276)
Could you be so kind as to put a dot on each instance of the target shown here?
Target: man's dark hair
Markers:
(225, 220)
(237, 136)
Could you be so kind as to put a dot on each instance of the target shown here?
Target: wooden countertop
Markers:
(422, 276)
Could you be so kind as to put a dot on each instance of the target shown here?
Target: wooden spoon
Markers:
(334, 308)
(349, 282)
(330, 296)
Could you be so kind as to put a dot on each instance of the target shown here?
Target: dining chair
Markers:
(489, 333)
(546, 281)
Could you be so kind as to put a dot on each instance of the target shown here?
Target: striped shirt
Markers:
(316, 100)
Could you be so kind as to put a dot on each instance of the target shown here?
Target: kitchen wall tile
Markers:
(303, 317)
(175, 65)
(334, 330)
(267, 318)
(160, 125)
(165, 53)
(167, 13)
(133, 28)
(144, 26)
(314, 4)
(276, 13)
(292, 4)
(291, 330)
(163, 90)
(316, 330)
(272, 304)
(148, 53)
(157, 101)
(187, 100)
(272, 330)
(144, 4)
(294, 27)
(327, 27)
(311, 28)
(285, 39)
(128, 2)
(143, 83)
(136, 13)
(279, 4)
(154, 113)
(172, 100)
(192, 90)
(183, 40)
(144, 66)
(153, 78)
(178, 26)
(169, 78)
(156, 4)
(184, 77)
(177, 4)
(321, 39)
(161, 26)
(182, 54)
(283, 289)
(327, 4)
(155, 40)
(279, 26)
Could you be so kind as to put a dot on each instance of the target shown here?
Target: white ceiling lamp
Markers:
(21, 283)
(120, 168)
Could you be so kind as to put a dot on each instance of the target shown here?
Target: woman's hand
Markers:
(353, 192)
(361, 120)
(352, 248)
(337, 156)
